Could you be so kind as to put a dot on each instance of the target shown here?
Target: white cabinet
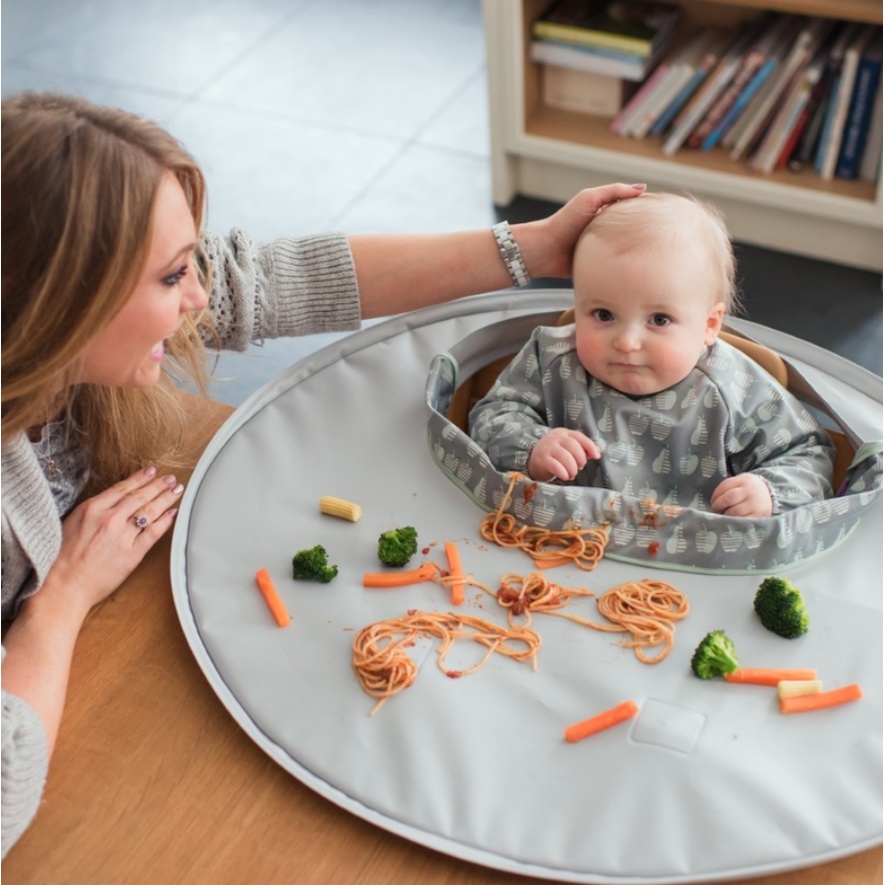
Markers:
(550, 154)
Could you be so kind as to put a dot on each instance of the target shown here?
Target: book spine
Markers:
(827, 128)
(621, 122)
(872, 154)
(781, 128)
(700, 74)
(626, 67)
(568, 34)
(751, 64)
(661, 100)
(817, 110)
(836, 120)
(764, 113)
(859, 115)
(740, 103)
(700, 102)
(794, 138)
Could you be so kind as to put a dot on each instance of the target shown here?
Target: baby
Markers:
(640, 395)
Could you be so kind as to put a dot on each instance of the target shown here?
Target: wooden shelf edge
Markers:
(563, 131)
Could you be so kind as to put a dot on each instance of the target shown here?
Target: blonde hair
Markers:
(79, 190)
(675, 221)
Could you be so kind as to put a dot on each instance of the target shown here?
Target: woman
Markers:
(105, 308)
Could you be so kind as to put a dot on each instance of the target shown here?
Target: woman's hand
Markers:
(107, 536)
(103, 540)
(561, 454)
(547, 245)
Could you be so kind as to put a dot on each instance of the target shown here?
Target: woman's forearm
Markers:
(39, 649)
(400, 273)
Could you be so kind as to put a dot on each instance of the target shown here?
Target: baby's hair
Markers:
(663, 219)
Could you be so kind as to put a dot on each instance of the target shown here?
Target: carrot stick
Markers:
(823, 699)
(768, 675)
(272, 598)
(601, 721)
(455, 571)
(424, 572)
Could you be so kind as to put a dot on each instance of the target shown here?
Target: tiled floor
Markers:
(312, 115)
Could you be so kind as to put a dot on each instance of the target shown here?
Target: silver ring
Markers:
(140, 520)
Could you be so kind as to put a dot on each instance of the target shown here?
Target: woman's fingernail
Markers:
(178, 489)
(639, 187)
(150, 471)
(173, 513)
(169, 480)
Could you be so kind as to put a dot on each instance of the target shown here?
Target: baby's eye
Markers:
(660, 319)
(603, 315)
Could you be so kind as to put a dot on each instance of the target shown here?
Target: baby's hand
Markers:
(742, 495)
(561, 454)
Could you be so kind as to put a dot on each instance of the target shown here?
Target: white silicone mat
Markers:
(709, 782)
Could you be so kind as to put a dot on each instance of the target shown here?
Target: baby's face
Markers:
(643, 317)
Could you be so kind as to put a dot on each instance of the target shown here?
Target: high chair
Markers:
(474, 388)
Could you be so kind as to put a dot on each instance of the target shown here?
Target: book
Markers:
(748, 116)
(837, 112)
(709, 59)
(682, 68)
(860, 111)
(593, 59)
(635, 26)
(794, 138)
(584, 93)
(871, 161)
(784, 124)
(722, 130)
(632, 109)
(707, 93)
(756, 29)
(837, 56)
(812, 33)
(646, 93)
(804, 151)
(759, 63)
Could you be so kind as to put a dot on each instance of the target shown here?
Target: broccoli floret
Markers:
(398, 546)
(715, 656)
(312, 564)
(781, 608)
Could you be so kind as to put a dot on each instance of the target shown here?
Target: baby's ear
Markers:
(714, 322)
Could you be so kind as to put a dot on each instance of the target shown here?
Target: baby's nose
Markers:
(627, 340)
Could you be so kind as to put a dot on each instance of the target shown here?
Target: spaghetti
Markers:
(646, 609)
(548, 549)
(384, 668)
(524, 594)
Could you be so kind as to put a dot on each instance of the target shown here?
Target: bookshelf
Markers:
(550, 154)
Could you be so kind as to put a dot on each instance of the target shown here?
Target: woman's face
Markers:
(128, 352)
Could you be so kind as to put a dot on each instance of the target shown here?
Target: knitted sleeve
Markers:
(25, 763)
(291, 286)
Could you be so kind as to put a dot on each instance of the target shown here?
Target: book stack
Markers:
(777, 91)
(594, 53)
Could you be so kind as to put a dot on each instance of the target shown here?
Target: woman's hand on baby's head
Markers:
(548, 244)
(561, 454)
(743, 495)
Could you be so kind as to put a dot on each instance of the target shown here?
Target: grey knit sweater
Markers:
(288, 287)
